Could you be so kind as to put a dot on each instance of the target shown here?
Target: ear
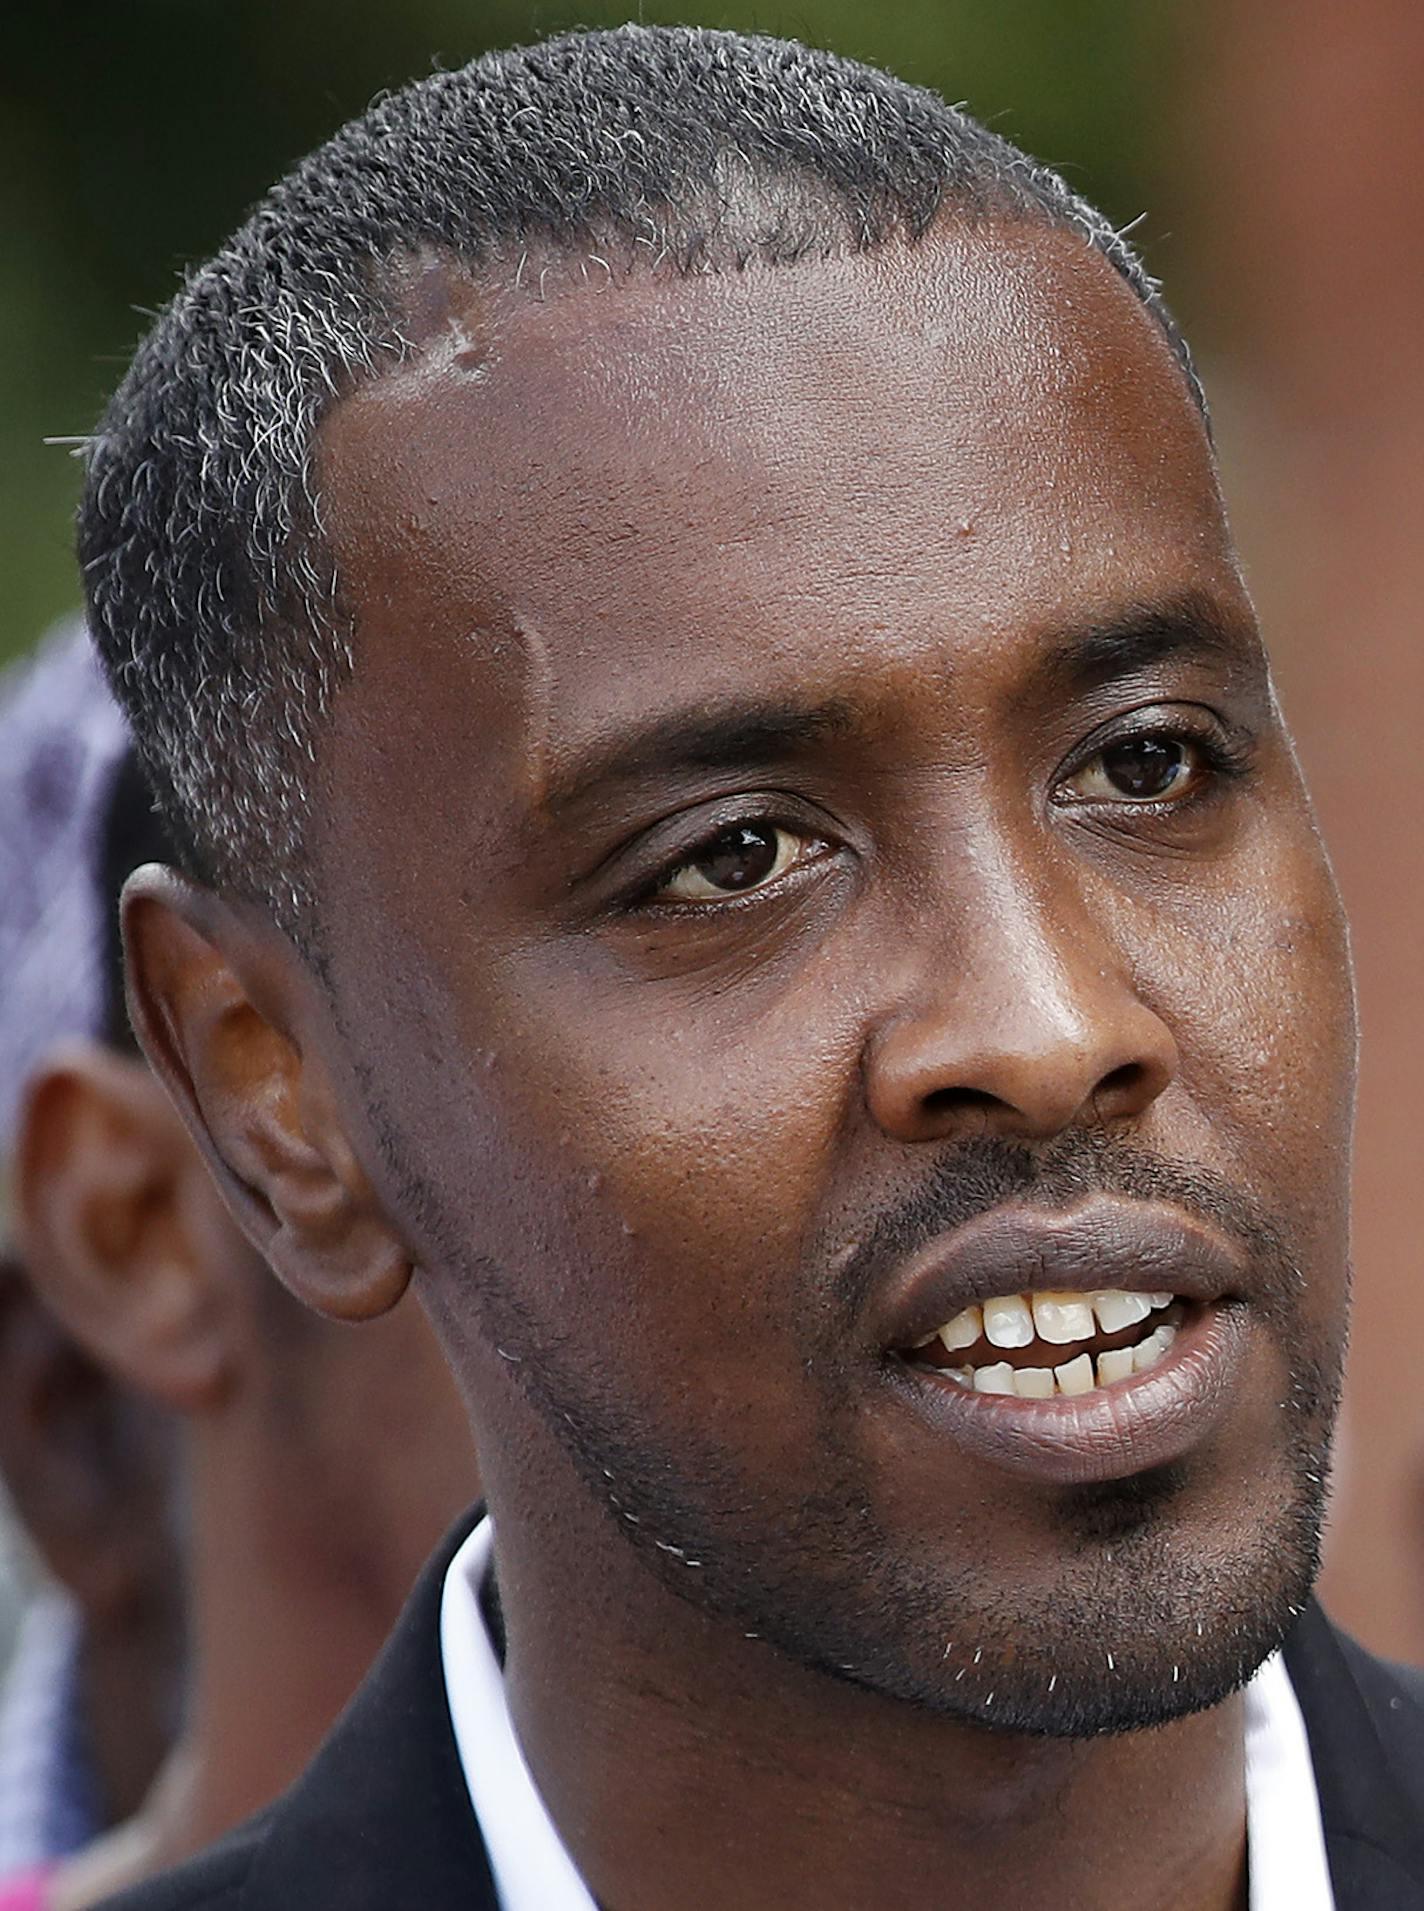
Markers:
(230, 1018)
(103, 1228)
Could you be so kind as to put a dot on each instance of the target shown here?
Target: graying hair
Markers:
(212, 592)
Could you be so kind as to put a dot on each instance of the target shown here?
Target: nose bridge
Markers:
(1022, 1011)
(1043, 955)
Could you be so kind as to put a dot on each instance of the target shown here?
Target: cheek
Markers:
(648, 1169)
(1257, 991)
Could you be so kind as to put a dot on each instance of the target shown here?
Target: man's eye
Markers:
(1141, 769)
(742, 857)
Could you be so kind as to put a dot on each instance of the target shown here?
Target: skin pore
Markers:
(744, 664)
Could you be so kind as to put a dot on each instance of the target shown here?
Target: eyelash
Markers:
(646, 898)
(1225, 757)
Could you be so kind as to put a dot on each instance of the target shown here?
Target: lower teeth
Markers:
(1076, 1376)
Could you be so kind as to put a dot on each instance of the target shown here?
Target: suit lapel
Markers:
(1365, 1723)
(382, 1816)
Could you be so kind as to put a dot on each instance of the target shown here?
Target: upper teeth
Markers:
(1018, 1320)
(1013, 1320)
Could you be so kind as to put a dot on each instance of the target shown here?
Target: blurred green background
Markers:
(133, 137)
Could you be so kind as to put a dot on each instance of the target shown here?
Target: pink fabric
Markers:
(28, 1892)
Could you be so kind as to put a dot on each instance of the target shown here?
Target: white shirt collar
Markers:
(533, 1871)
(1284, 1835)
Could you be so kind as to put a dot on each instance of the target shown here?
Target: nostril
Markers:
(1121, 1084)
(961, 1101)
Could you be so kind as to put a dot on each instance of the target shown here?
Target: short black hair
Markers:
(211, 593)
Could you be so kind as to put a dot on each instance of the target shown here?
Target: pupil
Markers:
(740, 858)
(1144, 766)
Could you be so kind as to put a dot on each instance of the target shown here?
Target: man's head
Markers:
(85, 1460)
(802, 844)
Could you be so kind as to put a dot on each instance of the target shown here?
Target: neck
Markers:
(291, 1597)
(709, 1766)
(296, 1572)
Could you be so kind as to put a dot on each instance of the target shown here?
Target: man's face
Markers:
(812, 769)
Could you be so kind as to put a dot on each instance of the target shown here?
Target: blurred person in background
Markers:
(91, 1701)
(181, 1437)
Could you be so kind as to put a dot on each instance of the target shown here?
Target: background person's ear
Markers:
(104, 1230)
(225, 1011)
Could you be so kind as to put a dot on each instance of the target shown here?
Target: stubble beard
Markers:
(1143, 1624)
(1150, 1618)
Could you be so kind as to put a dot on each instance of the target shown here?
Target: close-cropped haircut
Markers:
(212, 593)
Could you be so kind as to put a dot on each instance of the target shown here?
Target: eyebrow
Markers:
(744, 732)
(1140, 635)
(727, 736)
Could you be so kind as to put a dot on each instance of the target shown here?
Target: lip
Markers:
(1104, 1241)
(1111, 1433)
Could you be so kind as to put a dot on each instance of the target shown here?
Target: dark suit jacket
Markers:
(381, 1820)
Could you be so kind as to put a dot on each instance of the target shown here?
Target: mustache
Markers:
(985, 1172)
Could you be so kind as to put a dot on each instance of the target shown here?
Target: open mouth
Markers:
(1071, 1345)
(1039, 1345)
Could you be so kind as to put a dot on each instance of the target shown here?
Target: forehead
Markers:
(581, 499)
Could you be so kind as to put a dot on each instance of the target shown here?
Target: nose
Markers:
(1039, 1029)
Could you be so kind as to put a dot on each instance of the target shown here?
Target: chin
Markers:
(1150, 1616)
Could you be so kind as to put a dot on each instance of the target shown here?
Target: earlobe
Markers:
(226, 1013)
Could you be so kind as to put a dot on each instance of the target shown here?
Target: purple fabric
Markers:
(49, 1795)
(61, 739)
